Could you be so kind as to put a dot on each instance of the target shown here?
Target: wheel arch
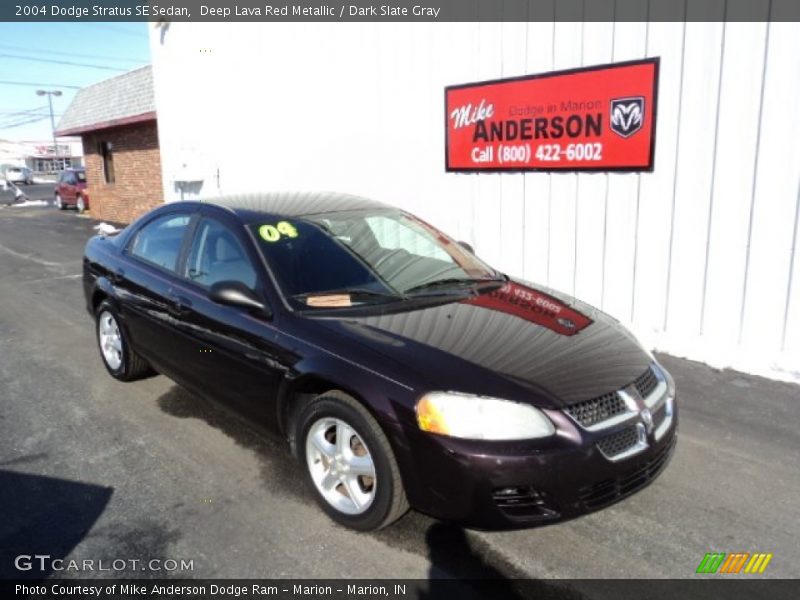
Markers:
(308, 380)
(103, 290)
(97, 297)
(296, 391)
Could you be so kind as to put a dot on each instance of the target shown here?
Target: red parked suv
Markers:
(71, 190)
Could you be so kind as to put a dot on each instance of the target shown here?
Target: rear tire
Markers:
(121, 361)
(355, 481)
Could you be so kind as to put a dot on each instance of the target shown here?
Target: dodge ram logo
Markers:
(627, 115)
(647, 419)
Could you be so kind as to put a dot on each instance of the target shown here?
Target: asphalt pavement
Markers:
(91, 468)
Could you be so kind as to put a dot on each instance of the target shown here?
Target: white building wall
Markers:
(701, 257)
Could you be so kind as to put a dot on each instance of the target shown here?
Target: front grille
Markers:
(607, 491)
(602, 408)
(598, 409)
(523, 503)
(646, 383)
(619, 442)
(659, 416)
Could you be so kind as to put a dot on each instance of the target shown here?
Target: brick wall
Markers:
(137, 167)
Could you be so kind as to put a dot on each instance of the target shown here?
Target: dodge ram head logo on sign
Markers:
(627, 115)
(599, 118)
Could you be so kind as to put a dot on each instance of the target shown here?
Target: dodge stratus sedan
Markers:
(402, 369)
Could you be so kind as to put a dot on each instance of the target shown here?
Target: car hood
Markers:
(521, 336)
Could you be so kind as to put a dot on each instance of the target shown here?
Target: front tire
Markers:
(60, 202)
(80, 204)
(349, 464)
(121, 361)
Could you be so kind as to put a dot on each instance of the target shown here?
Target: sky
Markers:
(108, 48)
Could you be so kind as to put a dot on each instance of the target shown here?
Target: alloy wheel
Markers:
(110, 340)
(341, 465)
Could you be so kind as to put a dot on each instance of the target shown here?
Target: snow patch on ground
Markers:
(106, 228)
(30, 203)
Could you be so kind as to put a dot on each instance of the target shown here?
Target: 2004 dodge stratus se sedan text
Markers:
(401, 368)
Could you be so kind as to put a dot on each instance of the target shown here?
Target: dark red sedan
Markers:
(401, 369)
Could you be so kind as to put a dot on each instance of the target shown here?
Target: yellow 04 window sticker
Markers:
(272, 233)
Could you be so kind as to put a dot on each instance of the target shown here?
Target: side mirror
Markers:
(235, 293)
(467, 247)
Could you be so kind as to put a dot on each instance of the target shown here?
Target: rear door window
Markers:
(159, 241)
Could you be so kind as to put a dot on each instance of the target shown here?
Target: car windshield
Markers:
(348, 258)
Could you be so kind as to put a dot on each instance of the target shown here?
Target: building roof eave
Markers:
(131, 120)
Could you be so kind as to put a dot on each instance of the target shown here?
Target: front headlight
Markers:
(479, 418)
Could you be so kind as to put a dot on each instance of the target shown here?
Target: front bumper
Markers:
(502, 485)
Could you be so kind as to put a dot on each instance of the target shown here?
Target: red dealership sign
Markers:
(534, 306)
(600, 118)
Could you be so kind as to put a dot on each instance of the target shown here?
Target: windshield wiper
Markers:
(453, 282)
(350, 291)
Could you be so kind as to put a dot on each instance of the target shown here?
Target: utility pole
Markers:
(50, 94)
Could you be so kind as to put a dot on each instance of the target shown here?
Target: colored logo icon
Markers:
(734, 563)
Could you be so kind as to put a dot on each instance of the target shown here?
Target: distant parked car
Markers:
(71, 190)
(19, 175)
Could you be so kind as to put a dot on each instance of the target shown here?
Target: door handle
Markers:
(178, 306)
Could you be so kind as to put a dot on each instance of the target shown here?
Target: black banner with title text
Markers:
(395, 589)
(399, 10)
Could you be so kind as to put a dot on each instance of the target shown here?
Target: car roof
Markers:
(252, 207)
